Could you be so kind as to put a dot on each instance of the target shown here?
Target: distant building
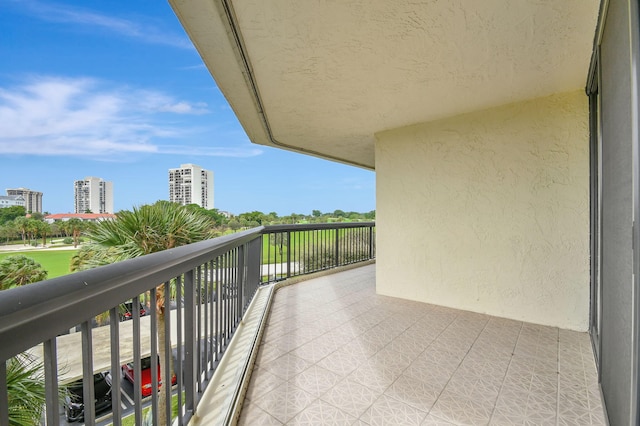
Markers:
(32, 199)
(11, 200)
(191, 184)
(93, 195)
(87, 217)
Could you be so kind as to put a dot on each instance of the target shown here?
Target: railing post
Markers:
(155, 386)
(179, 347)
(337, 248)
(241, 280)
(288, 254)
(254, 269)
(114, 326)
(51, 381)
(137, 354)
(371, 242)
(87, 373)
(4, 394)
(189, 344)
(167, 372)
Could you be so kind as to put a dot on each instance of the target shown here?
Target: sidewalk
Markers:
(21, 247)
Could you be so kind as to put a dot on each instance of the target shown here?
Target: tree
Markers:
(218, 218)
(20, 270)
(8, 231)
(43, 229)
(234, 224)
(26, 390)
(144, 230)
(316, 213)
(252, 217)
(7, 214)
(21, 226)
(32, 227)
(280, 240)
(37, 216)
(75, 227)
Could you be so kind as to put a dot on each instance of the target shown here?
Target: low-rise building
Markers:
(86, 217)
(11, 200)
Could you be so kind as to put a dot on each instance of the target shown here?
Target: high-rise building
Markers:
(191, 184)
(32, 199)
(93, 195)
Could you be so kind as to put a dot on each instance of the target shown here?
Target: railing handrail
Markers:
(91, 292)
(215, 282)
(318, 226)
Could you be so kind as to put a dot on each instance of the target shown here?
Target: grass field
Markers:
(55, 262)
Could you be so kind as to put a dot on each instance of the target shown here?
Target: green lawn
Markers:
(130, 420)
(55, 262)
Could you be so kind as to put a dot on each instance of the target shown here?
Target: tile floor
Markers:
(334, 352)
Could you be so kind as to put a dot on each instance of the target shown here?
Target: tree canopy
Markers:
(19, 270)
(8, 214)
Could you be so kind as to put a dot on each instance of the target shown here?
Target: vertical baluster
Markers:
(179, 347)
(189, 344)
(4, 394)
(51, 381)
(154, 355)
(114, 328)
(87, 374)
(167, 368)
(198, 317)
(137, 387)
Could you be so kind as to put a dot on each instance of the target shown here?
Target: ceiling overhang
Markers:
(323, 78)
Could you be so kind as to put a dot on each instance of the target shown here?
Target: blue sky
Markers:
(114, 89)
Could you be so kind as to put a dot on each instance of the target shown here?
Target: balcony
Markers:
(259, 341)
(213, 287)
(334, 352)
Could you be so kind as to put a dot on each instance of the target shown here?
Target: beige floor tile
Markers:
(284, 402)
(334, 352)
(287, 366)
(322, 413)
(389, 411)
(254, 415)
(351, 397)
(413, 392)
(261, 382)
(316, 380)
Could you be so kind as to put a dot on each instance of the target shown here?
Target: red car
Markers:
(145, 368)
(126, 311)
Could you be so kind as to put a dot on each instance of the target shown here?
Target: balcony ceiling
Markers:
(329, 75)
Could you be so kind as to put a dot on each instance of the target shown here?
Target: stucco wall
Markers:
(489, 211)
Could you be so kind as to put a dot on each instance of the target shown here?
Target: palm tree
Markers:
(18, 270)
(145, 230)
(25, 389)
(43, 230)
(75, 226)
(21, 226)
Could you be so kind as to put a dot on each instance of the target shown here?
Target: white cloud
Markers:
(52, 12)
(88, 118)
(212, 151)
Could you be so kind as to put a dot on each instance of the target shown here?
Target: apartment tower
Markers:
(93, 195)
(32, 199)
(191, 184)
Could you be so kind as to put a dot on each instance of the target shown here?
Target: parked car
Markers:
(74, 399)
(145, 370)
(126, 310)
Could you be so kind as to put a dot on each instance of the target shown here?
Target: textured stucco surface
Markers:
(330, 75)
(489, 211)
